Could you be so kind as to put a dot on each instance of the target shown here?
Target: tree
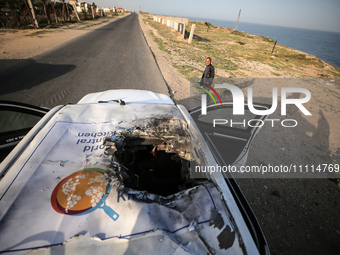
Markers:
(63, 10)
(45, 3)
(3, 5)
(30, 4)
(19, 9)
(55, 12)
(69, 9)
(84, 11)
(94, 8)
(15, 7)
(75, 12)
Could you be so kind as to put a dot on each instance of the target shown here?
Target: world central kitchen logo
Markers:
(239, 105)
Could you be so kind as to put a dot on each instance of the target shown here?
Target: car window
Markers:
(13, 120)
(16, 120)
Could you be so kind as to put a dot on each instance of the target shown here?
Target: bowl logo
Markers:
(83, 192)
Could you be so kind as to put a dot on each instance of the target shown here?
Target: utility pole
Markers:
(238, 19)
(36, 25)
(274, 46)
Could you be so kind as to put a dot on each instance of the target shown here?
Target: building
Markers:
(109, 10)
(83, 6)
(80, 5)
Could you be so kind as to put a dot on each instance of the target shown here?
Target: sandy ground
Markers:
(298, 216)
(180, 86)
(24, 44)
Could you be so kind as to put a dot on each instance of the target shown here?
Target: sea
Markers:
(322, 44)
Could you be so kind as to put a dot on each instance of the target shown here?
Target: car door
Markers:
(16, 120)
(229, 138)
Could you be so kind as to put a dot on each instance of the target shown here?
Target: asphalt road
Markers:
(115, 56)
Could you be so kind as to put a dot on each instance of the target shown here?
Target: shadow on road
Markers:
(25, 74)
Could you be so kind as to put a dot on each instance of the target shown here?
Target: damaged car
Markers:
(115, 173)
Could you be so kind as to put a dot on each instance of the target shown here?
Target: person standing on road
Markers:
(209, 73)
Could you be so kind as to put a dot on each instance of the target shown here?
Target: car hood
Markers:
(41, 212)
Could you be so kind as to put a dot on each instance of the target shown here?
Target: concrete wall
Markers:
(175, 23)
(180, 20)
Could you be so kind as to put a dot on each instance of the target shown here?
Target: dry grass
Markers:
(235, 54)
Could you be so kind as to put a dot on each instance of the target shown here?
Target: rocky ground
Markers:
(298, 216)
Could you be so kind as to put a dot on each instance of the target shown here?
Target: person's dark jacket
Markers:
(208, 75)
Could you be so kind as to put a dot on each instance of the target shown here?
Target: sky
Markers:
(310, 14)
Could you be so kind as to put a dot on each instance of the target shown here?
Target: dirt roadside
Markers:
(23, 44)
(298, 216)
